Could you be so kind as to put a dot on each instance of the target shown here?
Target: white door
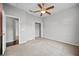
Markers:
(3, 32)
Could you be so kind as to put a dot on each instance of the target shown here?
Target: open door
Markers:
(3, 32)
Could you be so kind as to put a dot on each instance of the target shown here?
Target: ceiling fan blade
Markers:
(34, 11)
(48, 13)
(41, 14)
(39, 5)
(50, 7)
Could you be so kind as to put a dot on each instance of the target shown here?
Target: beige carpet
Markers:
(42, 47)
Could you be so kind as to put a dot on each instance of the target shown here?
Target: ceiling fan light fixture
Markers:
(43, 9)
(43, 12)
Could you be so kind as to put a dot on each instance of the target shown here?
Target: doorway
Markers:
(37, 30)
(12, 31)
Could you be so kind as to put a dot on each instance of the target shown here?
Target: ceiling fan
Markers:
(42, 9)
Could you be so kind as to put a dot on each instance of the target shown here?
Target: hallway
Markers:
(42, 47)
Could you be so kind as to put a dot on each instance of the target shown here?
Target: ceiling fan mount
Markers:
(43, 9)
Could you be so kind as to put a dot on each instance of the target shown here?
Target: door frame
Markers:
(3, 33)
(14, 42)
(4, 39)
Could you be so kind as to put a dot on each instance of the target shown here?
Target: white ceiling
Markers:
(33, 6)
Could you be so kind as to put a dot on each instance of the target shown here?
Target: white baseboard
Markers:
(70, 43)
